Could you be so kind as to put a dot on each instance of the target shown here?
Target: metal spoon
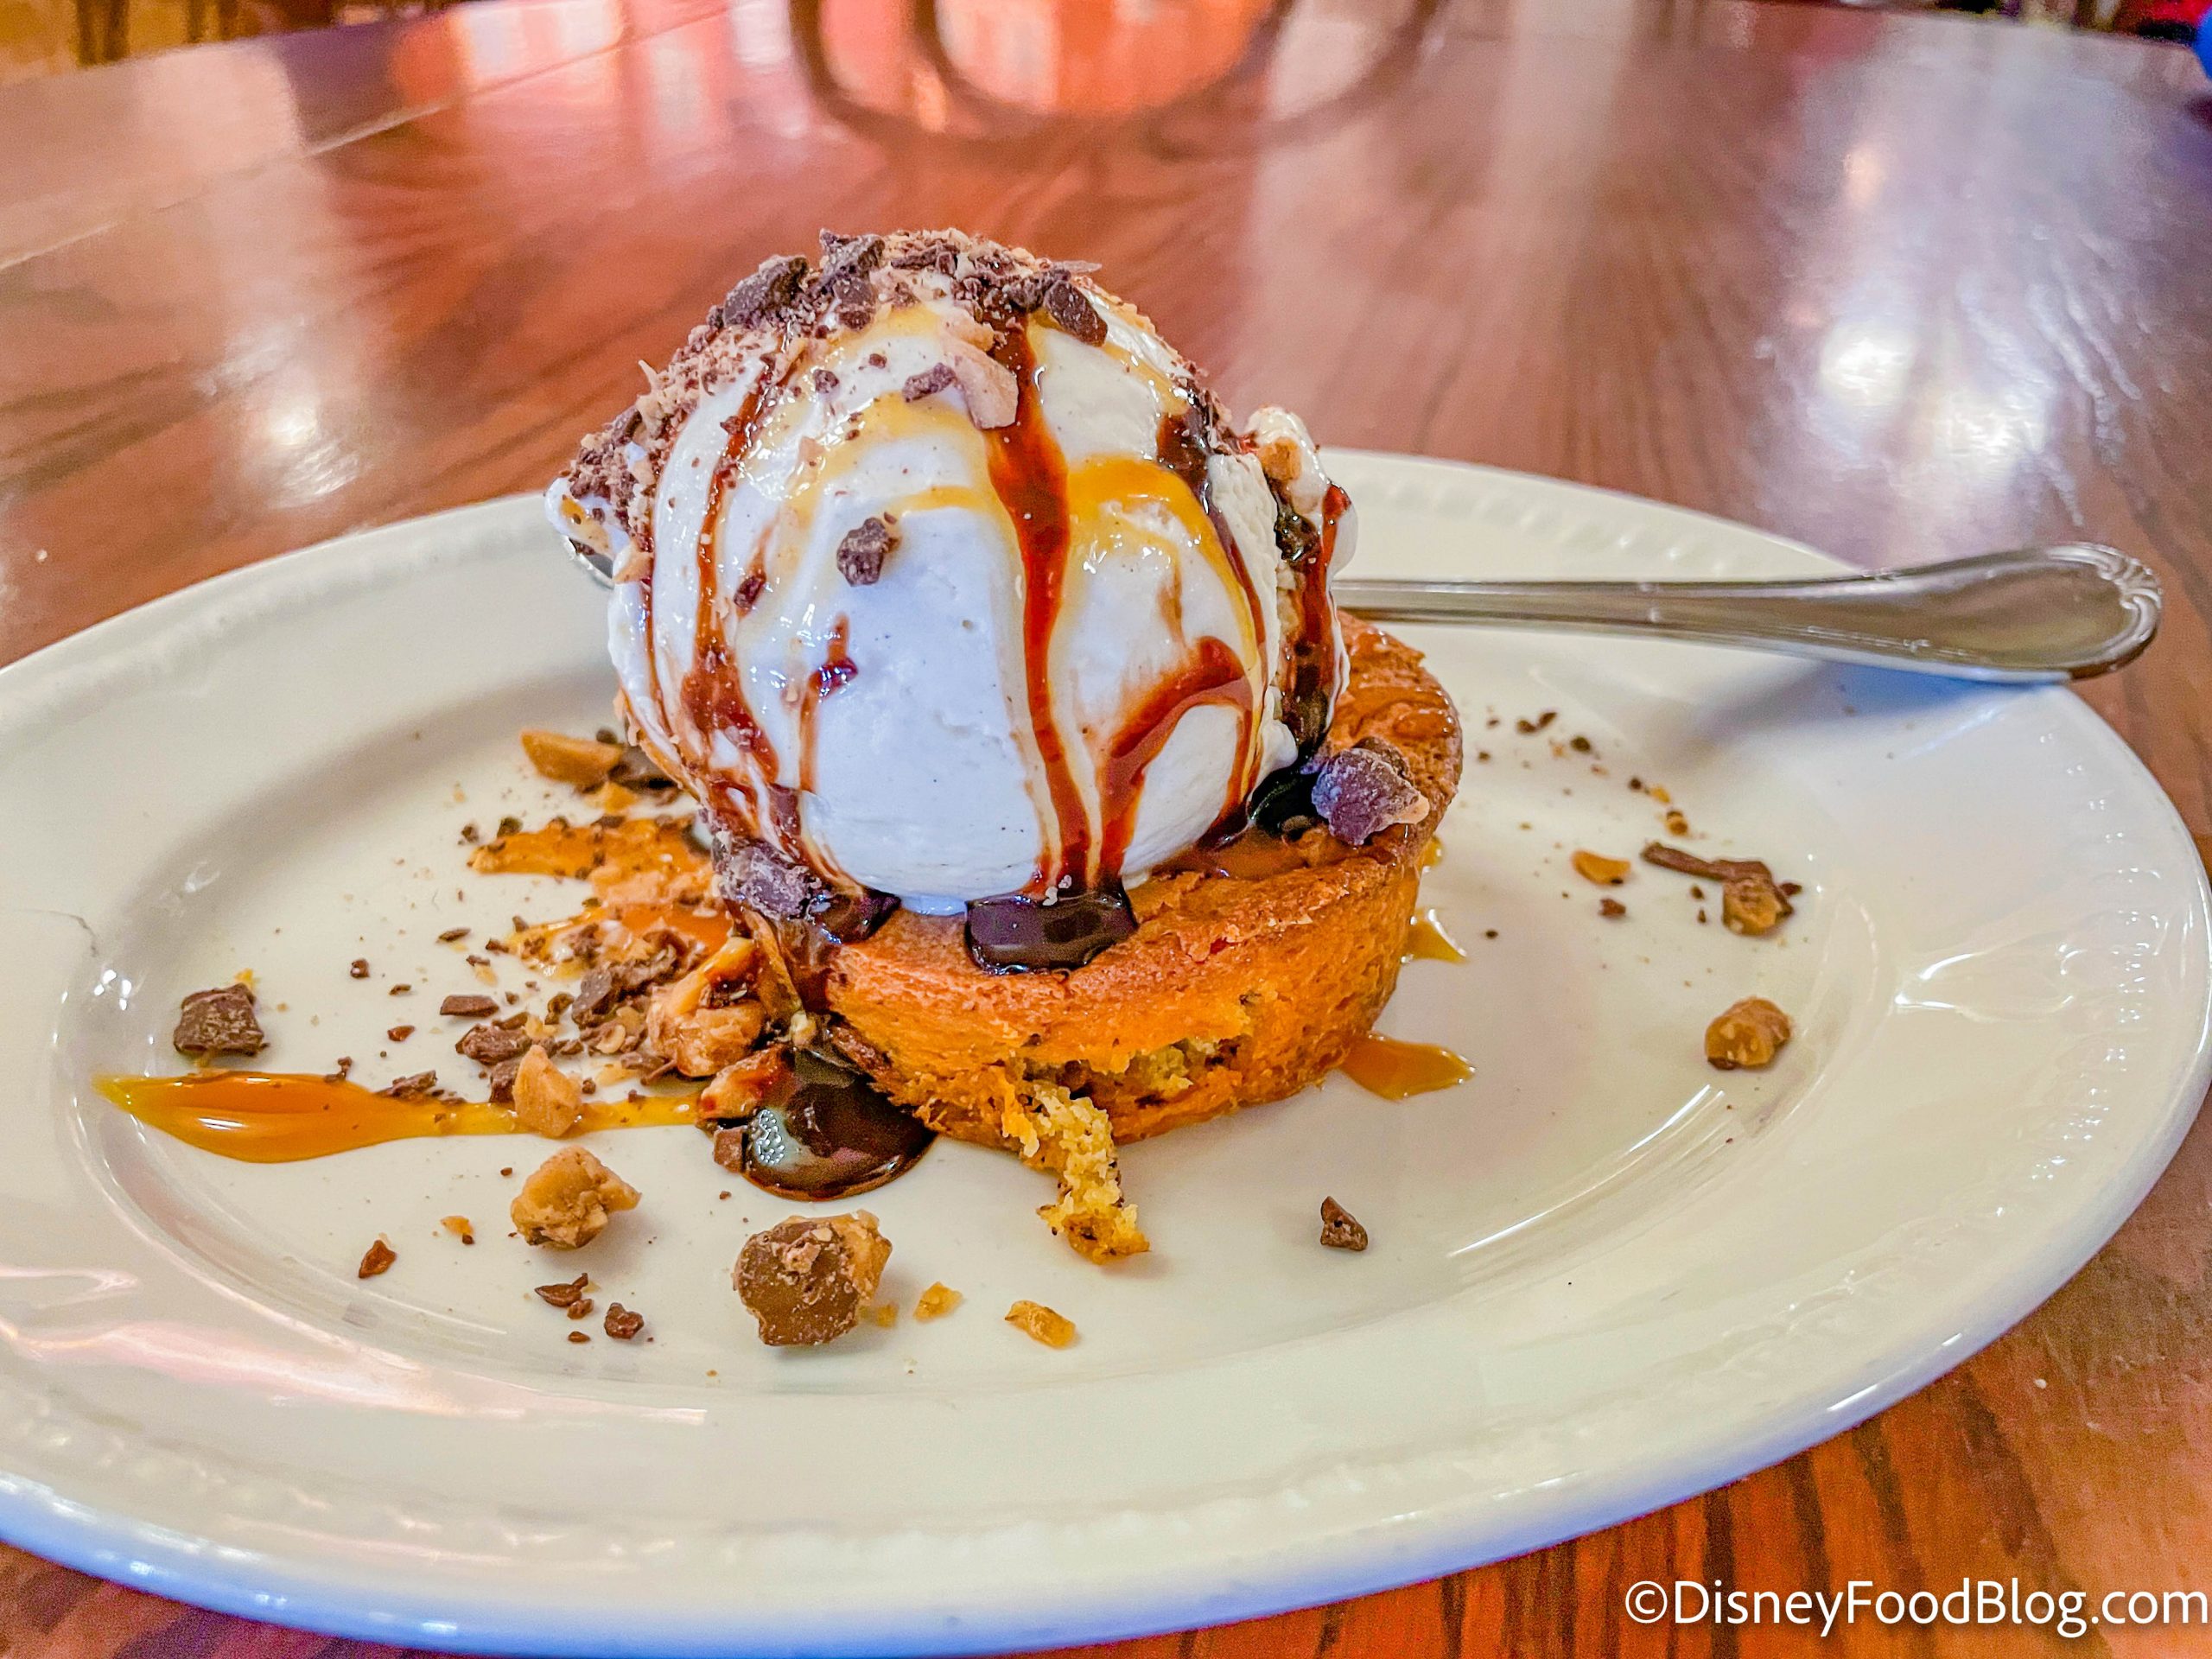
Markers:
(2039, 615)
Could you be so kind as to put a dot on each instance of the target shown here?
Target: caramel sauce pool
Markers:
(278, 1117)
(1396, 1070)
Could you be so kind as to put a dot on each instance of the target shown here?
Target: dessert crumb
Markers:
(377, 1259)
(1340, 1230)
(1597, 868)
(1611, 909)
(565, 1295)
(358, 968)
(935, 1302)
(1041, 1323)
(219, 1020)
(621, 1323)
(461, 1227)
(568, 1199)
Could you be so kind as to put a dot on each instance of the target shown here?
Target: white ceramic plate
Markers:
(1603, 1275)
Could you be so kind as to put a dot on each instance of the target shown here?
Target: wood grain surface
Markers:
(1897, 285)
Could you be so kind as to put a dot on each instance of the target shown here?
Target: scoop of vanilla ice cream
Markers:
(939, 573)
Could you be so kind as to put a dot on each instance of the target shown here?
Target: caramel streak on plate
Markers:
(275, 1118)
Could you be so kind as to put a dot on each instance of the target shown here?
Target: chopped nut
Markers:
(580, 1308)
(548, 1101)
(1596, 867)
(807, 1278)
(358, 968)
(219, 1021)
(935, 1302)
(1039, 1322)
(400, 1033)
(565, 1295)
(621, 1323)
(461, 1227)
(469, 1006)
(567, 1201)
(377, 1259)
(576, 760)
(1749, 1034)
(1339, 1230)
(578, 1335)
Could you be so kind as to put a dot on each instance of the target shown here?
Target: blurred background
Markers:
(1092, 56)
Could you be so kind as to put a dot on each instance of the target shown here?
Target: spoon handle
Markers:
(2039, 615)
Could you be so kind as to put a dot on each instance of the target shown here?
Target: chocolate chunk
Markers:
(1068, 305)
(414, 1085)
(861, 553)
(488, 1045)
(501, 1082)
(825, 381)
(621, 1323)
(753, 875)
(565, 1295)
(938, 377)
(595, 994)
(807, 1278)
(467, 1006)
(774, 285)
(1339, 1230)
(1016, 933)
(1363, 790)
(377, 1259)
(219, 1021)
(939, 257)
(636, 770)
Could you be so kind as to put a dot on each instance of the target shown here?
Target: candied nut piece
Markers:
(709, 1020)
(565, 760)
(1597, 867)
(566, 1202)
(548, 1101)
(808, 1279)
(737, 1091)
(1363, 790)
(1749, 1034)
(1339, 1230)
(377, 1259)
(1752, 900)
(935, 1302)
(621, 1323)
(1038, 1321)
(219, 1021)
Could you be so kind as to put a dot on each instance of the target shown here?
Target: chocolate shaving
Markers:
(774, 285)
(595, 994)
(861, 553)
(467, 1006)
(1067, 305)
(753, 875)
(488, 1045)
(219, 1021)
(413, 1086)
(825, 381)
(501, 1082)
(1361, 792)
(1339, 1230)
(938, 377)
(565, 1295)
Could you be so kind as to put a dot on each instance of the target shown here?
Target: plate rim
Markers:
(111, 1544)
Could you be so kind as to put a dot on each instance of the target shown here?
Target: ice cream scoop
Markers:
(940, 576)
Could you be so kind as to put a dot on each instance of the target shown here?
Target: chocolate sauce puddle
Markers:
(826, 1134)
(1015, 933)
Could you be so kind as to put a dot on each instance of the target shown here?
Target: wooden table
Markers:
(1900, 286)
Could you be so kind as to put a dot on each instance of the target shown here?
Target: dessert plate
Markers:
(1603, 1275)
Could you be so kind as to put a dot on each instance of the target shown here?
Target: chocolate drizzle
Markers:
(1212, 674)
(1031, 478)
(1311, 692)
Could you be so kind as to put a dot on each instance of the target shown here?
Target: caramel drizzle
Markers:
(1031, 478)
